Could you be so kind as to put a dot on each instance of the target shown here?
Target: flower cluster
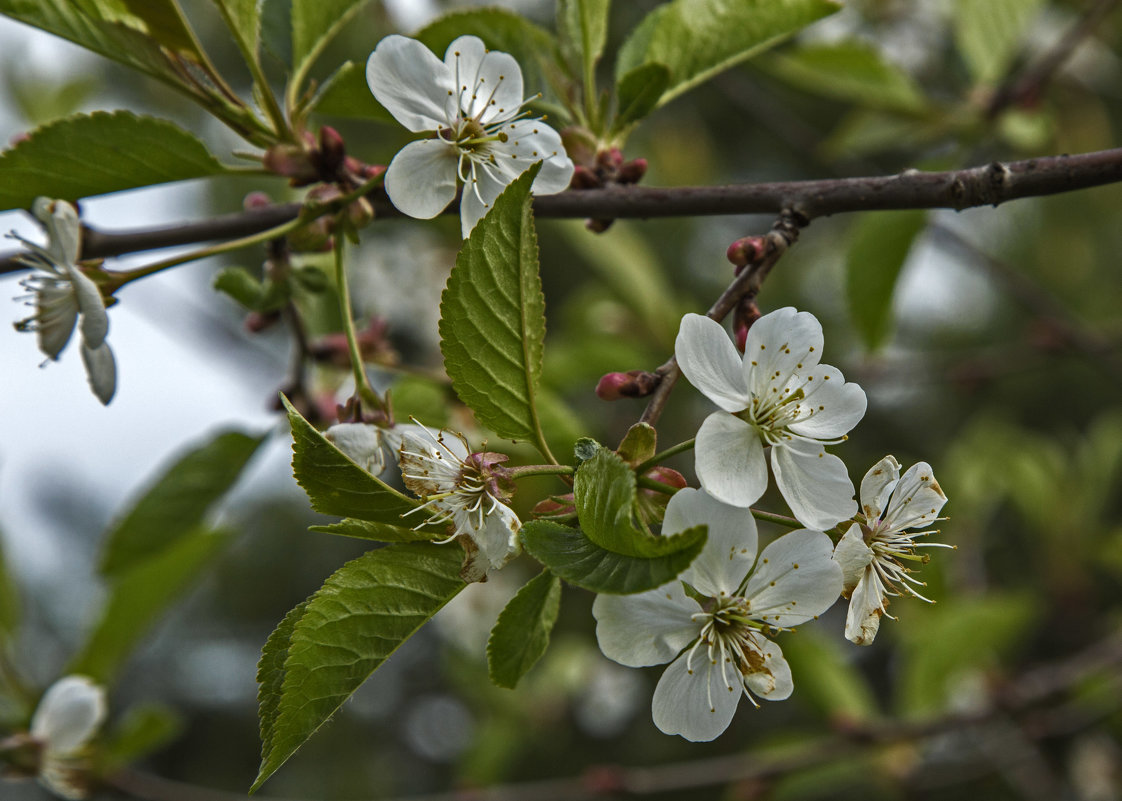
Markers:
(64, 297)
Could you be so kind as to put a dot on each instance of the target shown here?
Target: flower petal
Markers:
(709, 360)
(778, 344)
(412, 83)
(853, 556)
(56, 314)
(876, 487)
(916, 499)
(479, 195)
(64, 229)
(530, 141)
(649, 628)
(498, 538)
(730, 548)
(815, 485)
(729, 460)
(69, 714)
(488, 83)
(101, 369)
(421, 179)
(94, 322)
(831, 407)
(795, 579)
(773, 681)
(866, 607)
(698, 704)
(361, 443)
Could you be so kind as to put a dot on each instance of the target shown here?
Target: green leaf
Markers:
(582, 29)
(568, 553)
(849, 71)
(533, 47)
(93, 154)
(697, 39)
(9, 599)
(346, 94)
(521, 633)
(139, 595)
(243, 18)
(314, 24)
(270, 671)
(360, 616)
(989, 34)
(638, 93)
(368, 530)
(638, 444)
(878, 249)
(828, 679)
(492, 317)
(178, 501)
(336, 485)
(144, 729)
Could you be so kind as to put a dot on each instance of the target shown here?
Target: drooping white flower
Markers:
(713, 632)
(472, 101)
(463, 488)
(873, 552)
(64, 296)
(777, 395)
(66, 720)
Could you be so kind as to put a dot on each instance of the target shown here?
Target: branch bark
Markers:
(991, 184)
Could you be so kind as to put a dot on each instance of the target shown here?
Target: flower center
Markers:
(730, 641)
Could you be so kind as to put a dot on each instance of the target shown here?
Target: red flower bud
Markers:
(745, 251)
(584, 178)
(293, 162)
(634, 384)
(633, 171)
(256, 200)
(332, 151)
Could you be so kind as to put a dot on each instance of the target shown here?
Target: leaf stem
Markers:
(525, 471)
(662, 456)
(362, 381)
(781, 520)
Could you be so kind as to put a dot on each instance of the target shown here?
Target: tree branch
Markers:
(912, 189)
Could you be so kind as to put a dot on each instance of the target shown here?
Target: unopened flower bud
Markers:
(256, 322)
(256, 200)
(746, 313)
(633, 384)
(293, 162)
(315, 237)
(598, 225)
(332, 151)
(584, 178)
(633, 171)
(360, 212)
(610, 160)
(745, 251)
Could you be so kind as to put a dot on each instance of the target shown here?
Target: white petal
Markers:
(698, 705)
(530, 141)
(876, 487)
(773, 682)
(479, 195)
(853, 556)
(795, 580)
(421, 179)
(489, 84)
(101, 369)
(833, 407)
(498, 538)
(815, 485)
(916, 499)
(729, 460)
(69, 714)
(778, 344)
(866, 607)
(361, 443)
(730, 548)
(64, 229)
(56, 313)
(91, 306)
(412, 83)
(649, 628)
(709, 360)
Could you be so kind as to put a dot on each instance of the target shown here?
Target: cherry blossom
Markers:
(66, 720)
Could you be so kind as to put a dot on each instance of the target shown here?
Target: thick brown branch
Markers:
(912, 189)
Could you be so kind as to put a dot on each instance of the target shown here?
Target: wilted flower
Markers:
(777, 395)
(711, 623)
(367, 444)
(464, 488)
(66, 720)
(873, 551)
(63, 296)
(473, 103)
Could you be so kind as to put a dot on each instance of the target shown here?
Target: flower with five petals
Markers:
(473, 104)
(777, 396)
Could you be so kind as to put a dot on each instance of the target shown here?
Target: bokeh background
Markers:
(1002, 368)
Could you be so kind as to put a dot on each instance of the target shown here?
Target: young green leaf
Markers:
(522, 631)
(568, 553)
(369, 530)
(346, 94)
(360, 616)
(582, 29)
(178, 501)
(243, 18)
(335, 484)
(492, 317)
(877, 252)
(83, 155)
(696, 39)
(270, 671)
(314, 24)
(638, 93)
(989, 34)
(139, 595)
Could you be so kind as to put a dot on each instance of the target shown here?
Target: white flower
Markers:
(713, 631)
(871, 551)
(366, 444)
(776, 395)
(463, 488)
(66, 720)
(473, 103)
(64, 296)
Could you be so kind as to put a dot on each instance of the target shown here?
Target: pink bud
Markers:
(633, 384)
(256, 200)
(292, 162)
(332, 150)
(256, 322)
(584, 178)
(744, 251)
(633, 171)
